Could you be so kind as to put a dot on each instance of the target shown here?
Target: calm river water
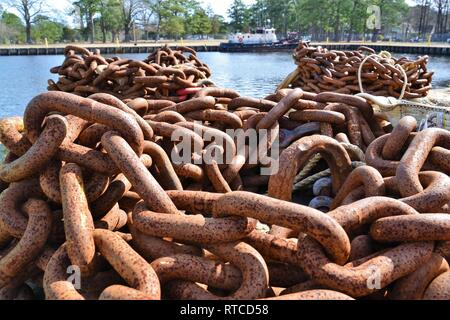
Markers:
(252, 74)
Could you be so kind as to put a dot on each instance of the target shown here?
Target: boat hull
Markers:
(269, 47)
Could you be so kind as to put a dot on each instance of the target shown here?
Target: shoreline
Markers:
(214, 46)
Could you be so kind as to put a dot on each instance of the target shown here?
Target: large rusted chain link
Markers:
(153, 248)
(11, 135)
(368, 177)
(113, 101)
(39, 154)
(438, 288)
(13, 221)
(139, 225)
(435, 158)
(167, 73)
(320, 70)
(368, 210)
(415, 157)
(353, 107)
(424, 227)
(198, 269)
(315, 295)
(398, 138)
(31, 244)
(55, 283)
(297, 156)
(434, 196)
(255, 276)
(274, 248)
(78, 221)
(84, 108)
(413, 286)
(438, 158)
(195, 229)
(280, 109)
(144, 183)
(132, 267)
(49, 182)
(355, 279)
(432, 199)
(299, 153)
(275, 212)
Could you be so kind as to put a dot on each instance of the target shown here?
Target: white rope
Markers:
(383, 55)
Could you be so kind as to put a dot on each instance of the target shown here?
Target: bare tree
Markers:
(442, 13)
(157, 7)
(87, 10)
(145, 19)
(29, 10)
(447, 12)
(130, 10)
(425, 7)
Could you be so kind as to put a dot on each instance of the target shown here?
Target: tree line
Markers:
(339, 20)
(109, 21)
(435, 12)
(128, 20)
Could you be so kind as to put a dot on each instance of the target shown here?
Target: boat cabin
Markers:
(259, 36)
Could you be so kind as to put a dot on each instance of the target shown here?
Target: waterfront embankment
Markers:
(441, 49)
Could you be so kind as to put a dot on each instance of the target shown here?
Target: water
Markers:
(252, 74)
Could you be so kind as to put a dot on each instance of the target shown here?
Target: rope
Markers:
(351, 148)
(383, 55)
(303, 175)
(289, 79)
(308, 168)
(308, 182)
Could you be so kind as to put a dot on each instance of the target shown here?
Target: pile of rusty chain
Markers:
(94, 207)
(170, 74)
(322, 70)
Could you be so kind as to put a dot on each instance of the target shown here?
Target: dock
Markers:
(107, 49)
(404, 48)
(439, 49)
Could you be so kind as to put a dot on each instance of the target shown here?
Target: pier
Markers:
(214, 46)
(106, 49)
(37, 51)
(410, 48)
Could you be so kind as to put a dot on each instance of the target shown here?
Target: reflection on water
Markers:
(252, 74)
(22, 78)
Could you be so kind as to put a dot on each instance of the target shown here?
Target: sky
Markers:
(60, 7)
(221, 6)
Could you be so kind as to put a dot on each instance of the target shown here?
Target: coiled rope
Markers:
(383, 55)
